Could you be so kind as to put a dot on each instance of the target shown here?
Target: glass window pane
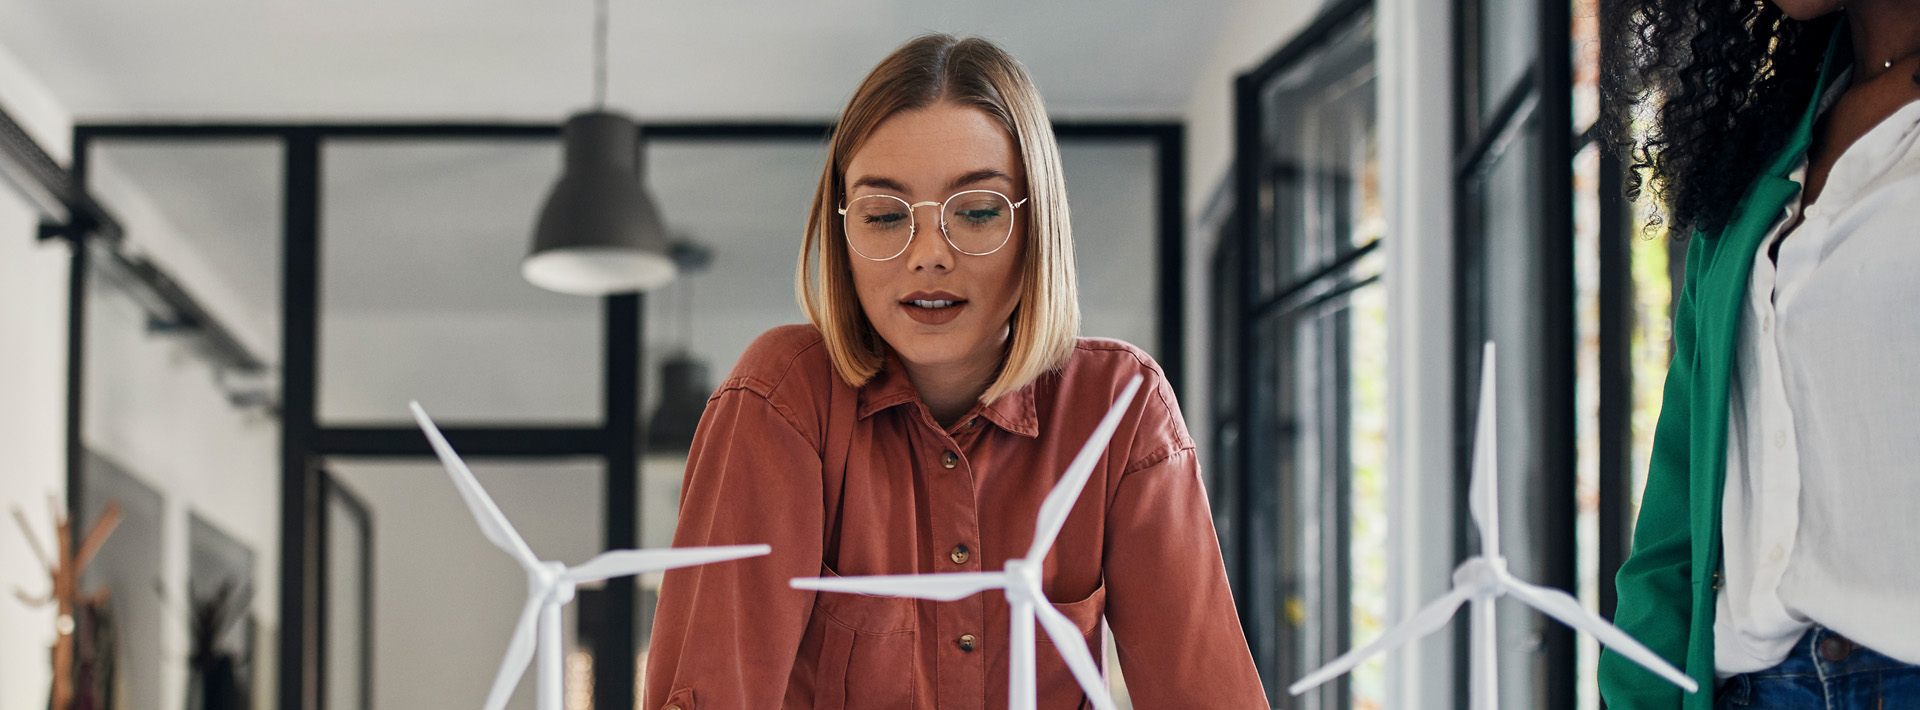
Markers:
(1506, 227)
(1320, 118)
(421, 295)
(445, 599)
(224, 655)
(208, 212)
(347, 577)
(746, 204)
(167, 399)
(1111, 187)
(1508, 41)
(131, 615)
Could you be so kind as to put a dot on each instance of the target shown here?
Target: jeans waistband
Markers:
(1823, 653)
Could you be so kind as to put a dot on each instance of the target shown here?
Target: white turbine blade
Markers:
(1053, 510)
(1561, 605)
(493, 523)
(1073, 648)
(1428, 619)
(621, 563)
(1483, 492)
(941, 587)
(519, 654)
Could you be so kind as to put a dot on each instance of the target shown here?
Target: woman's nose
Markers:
(929, 248)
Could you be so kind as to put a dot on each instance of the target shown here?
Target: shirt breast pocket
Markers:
(1057, 688)
(862, 648)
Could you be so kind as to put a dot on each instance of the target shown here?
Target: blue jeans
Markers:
(1826, 671)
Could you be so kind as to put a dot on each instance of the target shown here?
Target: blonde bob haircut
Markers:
(967, 72)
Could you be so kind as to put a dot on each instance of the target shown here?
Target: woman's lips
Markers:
(933, 316)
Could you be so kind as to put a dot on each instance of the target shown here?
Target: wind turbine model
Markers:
(1020, 580)
(550, 585)
(1483, 578)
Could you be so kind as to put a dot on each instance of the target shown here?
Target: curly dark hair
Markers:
(1696, 95)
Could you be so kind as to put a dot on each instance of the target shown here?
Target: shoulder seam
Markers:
(766, 391)
(742, 383)
(1155, 458)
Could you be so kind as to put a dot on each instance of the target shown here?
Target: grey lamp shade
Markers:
(599, 233)
(683, 400)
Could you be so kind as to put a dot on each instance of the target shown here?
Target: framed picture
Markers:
(222, 623)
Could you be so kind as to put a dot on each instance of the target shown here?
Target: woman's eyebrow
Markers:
(885, 183)
(877, 182)
(978, 176)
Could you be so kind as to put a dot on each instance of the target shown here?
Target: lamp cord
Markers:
(600, 54)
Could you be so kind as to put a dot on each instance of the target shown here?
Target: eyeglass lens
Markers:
(975, 223)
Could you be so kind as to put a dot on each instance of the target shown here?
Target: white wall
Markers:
(151, 405)
(33, 325)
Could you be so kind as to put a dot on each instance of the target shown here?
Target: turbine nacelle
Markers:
(1024, 578)
(1481, 575)
(548, 581)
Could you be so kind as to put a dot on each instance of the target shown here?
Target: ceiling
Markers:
(439, 228)
(525, 60)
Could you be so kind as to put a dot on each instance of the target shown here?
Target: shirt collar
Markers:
(1014, 412)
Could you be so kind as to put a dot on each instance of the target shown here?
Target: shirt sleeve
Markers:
(725, 635)
(1168, 602)
(1654, 584)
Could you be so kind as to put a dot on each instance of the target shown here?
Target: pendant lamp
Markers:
(683, 376)
(599, 233)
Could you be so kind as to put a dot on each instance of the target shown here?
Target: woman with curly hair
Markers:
(1777, 554)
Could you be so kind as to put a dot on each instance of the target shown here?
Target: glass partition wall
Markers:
(172, 415)
(364, 266)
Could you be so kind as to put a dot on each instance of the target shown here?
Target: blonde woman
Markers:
(917, 423)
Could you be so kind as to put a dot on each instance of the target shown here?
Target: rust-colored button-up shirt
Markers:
(862, 481)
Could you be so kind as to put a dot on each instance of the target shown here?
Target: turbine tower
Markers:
(550, 585)
(1483, 578)
(1020, 580)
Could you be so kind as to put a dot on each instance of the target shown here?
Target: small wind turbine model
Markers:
(1483, 578)
(550, 585)
(1020, 580)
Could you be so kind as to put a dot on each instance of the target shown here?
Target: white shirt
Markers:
(1821, 514)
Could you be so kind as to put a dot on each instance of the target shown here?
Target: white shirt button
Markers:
(1779, 438)
(1778, 553)
(1813, 211)
(1766, 323)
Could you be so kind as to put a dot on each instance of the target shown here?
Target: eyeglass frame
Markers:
(914, 229)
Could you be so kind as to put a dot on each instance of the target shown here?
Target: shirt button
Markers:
(960, 555)
(1779, 553)
(969, 424)
(1779, 439)
(1766, 324)
(1813, 210)
(966, 642)
(949, 459)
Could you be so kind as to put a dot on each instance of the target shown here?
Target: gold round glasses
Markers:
(975, 223)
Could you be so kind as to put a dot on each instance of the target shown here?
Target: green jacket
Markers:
(1667, 588)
